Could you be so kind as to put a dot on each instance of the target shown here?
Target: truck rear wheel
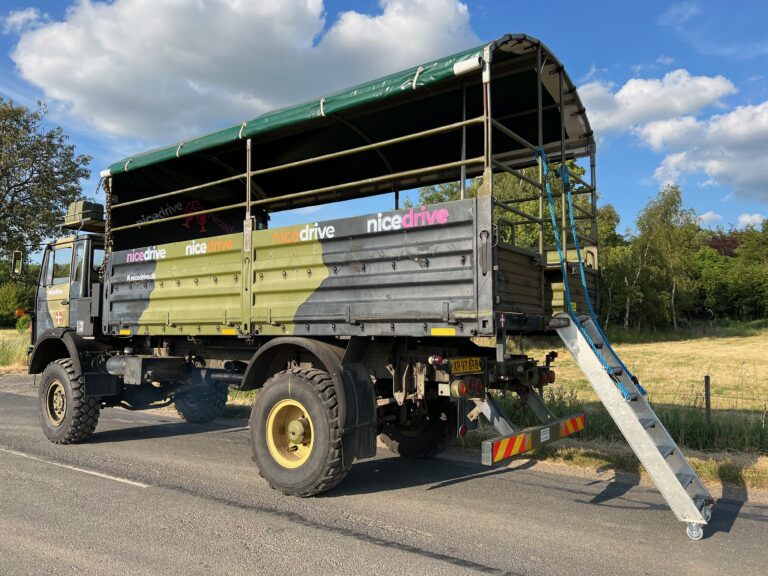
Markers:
(203, 404)
(295, 433)
(425, 438)
(66, 416)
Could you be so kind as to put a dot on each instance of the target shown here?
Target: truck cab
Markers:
(69, 289)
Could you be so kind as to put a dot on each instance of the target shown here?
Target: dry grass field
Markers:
(673, 372)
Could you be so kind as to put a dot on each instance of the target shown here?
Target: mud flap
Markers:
(358, 437)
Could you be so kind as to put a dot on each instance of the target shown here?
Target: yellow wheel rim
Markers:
(290, 435)
(56, 402)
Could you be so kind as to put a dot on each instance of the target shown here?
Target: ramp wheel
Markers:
(295, 433)
(695, 531)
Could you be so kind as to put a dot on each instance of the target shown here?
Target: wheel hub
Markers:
(289, 433)
(297, 429)
(56, 403)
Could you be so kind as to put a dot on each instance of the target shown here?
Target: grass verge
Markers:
(13, 350)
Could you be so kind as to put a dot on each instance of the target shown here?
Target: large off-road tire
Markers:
(425, 439)
(296, 434)
(203, 404)
(65, 415)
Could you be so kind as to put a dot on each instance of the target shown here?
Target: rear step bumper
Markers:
(504, 447)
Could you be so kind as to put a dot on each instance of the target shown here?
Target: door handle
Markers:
(485, 252)
(64, 302)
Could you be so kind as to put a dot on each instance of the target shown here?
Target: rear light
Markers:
(462, 431)
(469, 386)
(436, 360)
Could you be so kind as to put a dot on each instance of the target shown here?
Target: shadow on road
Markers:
(729, 505)
(621, 483)
(382, 474)
(159, 430)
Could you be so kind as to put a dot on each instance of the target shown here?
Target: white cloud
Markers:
(641, 100)
(729, 148)
(710, 217)
(593, 72)
(665, 60)
(753, 220)
(24, 19)
(679, 13)
(663, 133)
(708, 36)
(159, 70)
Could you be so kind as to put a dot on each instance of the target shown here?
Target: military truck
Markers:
(393, 324)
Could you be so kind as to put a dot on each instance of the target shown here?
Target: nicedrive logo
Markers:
(145, 255)
(413, 219)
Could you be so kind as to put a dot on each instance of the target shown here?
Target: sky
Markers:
(677, 92)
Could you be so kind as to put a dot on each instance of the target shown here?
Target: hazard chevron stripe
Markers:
(572, 425)
(498, 449)
(511, 446)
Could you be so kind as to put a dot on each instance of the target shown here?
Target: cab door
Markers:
(52, 306)
(84, 287)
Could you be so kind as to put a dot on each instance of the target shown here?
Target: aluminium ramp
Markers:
(676, 480)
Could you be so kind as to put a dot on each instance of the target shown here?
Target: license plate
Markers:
(466, 365)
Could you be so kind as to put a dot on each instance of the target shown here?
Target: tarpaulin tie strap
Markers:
(242, 127)
(178, 149)
(565, 175)
(322, 107)
(419, 70)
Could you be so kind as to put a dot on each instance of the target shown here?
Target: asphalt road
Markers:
(148, 494)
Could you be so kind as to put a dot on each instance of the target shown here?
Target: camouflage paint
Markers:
(404, 272)
(191, 287)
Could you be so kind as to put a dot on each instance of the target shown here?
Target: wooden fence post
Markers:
(707, 398)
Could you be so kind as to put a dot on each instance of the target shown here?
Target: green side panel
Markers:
(286, 273)
(377, 90)
(182, 288)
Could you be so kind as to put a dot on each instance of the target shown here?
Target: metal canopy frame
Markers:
(507, 214)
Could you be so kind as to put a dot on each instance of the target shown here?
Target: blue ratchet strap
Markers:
(565, 176)
(566, 292)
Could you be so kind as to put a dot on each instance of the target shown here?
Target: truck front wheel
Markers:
(295, 433)
(66, 415)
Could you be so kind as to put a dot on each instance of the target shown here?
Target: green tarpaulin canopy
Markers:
(411, 80)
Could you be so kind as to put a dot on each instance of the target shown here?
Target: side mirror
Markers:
(17, 262)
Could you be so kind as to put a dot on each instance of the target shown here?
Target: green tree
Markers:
(40, 175)
(670, 232)
(748, 281)
(614, 253)
(14, 295)
(511, 190)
